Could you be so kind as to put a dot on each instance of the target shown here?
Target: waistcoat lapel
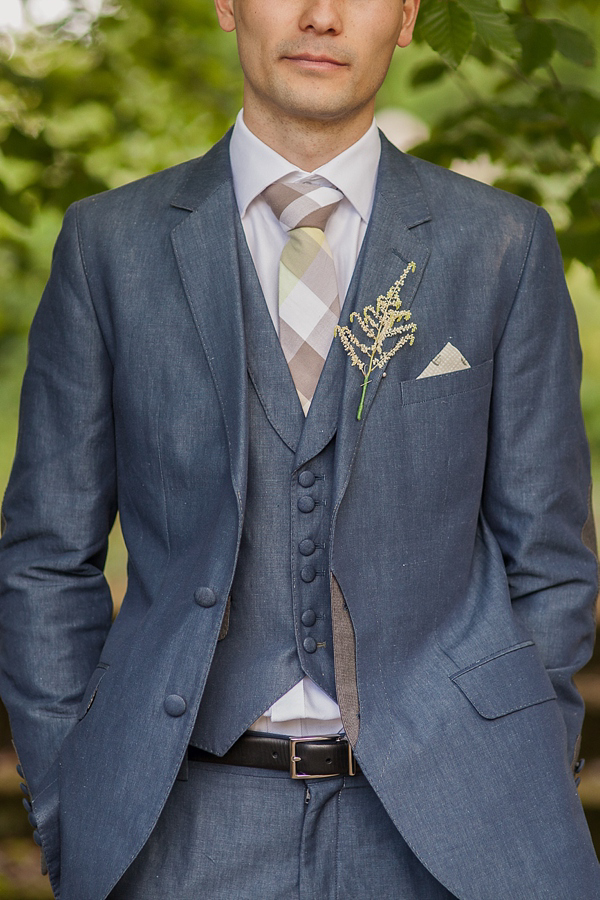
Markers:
(322, 420)
(267, 366)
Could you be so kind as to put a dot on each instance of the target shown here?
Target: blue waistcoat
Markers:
(277, 627)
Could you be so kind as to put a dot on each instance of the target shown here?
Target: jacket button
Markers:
(205, 597)
(307, 547)
(20, 771)
(309, 644)
(27, 805)
(32, 820)
(309, 617)
(175, 705)
(306, 504)
(37, 838)
(308, 574)
(25, 789)
(306, 479)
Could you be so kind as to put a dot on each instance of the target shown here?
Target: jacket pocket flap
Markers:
(510, 680)
(91, 690)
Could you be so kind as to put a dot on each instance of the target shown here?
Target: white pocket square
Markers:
(449, 359)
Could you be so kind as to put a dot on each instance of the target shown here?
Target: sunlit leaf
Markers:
(447, 28)
(492, 25)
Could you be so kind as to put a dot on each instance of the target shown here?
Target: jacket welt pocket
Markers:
(91, 690)
(420, 390)
(506, 682)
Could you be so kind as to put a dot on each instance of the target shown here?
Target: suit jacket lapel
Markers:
(206, 253)
(390, 244)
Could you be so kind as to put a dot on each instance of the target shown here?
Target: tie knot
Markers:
(302, 204)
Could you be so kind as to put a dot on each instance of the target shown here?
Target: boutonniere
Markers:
(381, 323)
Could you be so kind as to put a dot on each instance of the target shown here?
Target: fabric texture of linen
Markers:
(466, 565)
(254, 834)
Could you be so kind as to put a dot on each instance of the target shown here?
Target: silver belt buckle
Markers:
(294, 760)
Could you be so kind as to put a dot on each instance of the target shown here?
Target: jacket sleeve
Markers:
(537, 495)
(55, 604)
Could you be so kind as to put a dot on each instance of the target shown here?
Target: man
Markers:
(381, 537)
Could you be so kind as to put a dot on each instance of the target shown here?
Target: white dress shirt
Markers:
(305, 709)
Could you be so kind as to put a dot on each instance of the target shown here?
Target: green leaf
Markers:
(572, 43)
(492, 25)
(428, 74)
(521, 187)
(537, 42)
(447, 28)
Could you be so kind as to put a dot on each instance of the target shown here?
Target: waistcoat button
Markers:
(308, 574)
(309, 617)
(306, 479)
(309, 644)
(306, 547)
(205, 597)
(306, 504)
(175, 705)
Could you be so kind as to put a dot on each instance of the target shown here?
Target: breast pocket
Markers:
(421, 390)
(510, 680)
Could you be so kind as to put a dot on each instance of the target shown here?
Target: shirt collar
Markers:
(255, 166)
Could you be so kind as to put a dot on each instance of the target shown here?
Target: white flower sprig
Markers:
(380, 323)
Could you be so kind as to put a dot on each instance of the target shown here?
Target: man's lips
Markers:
(313, 61)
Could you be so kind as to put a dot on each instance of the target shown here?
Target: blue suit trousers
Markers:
(233, 833)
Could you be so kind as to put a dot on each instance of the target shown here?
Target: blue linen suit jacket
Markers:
(461, 532)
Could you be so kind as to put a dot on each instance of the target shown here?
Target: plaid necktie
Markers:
(309, 303)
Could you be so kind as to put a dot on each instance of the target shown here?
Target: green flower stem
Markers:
(381, 328)
(362, 396)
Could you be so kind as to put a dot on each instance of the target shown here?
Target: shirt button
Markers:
(175, 705)
(205, 597)
(309, 617)
(309, 644)
(306, 504)
(306, 479)
(308, 574)
(306, 547)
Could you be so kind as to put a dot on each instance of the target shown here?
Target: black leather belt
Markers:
(309, 757)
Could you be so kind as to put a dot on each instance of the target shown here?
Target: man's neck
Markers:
(305, 143)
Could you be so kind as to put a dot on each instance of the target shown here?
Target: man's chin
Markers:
(327, 110)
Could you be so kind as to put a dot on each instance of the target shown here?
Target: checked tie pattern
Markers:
(309, 303)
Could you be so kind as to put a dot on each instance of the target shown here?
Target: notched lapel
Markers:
(391, 242)
(206, 254)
